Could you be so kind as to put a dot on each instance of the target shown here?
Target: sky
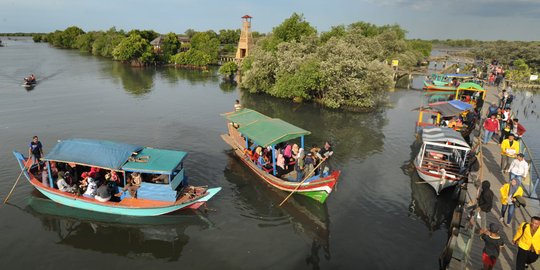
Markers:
(425, 19)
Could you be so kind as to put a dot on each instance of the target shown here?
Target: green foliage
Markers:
(292, 29)
(343, 68)
(37, 37)
(422, 46)
(506, 52)
(190, 32)
(229, 36)
(169, 46)
(84, 42)
(520, 72)
(134, 48)
(228, 69)
(205, 43)
(192, 57)
(335, 31)
(146, 34)
(65, 39)
(105, 42)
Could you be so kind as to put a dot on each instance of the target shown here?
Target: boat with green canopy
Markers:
(249, 132)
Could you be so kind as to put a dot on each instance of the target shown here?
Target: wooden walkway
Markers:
(468, 251)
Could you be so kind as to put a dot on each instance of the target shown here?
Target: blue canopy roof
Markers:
(98, 153)
(460, 105)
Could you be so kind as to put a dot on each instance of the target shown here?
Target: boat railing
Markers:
(534, 175)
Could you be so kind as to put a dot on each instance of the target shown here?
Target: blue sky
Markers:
(427, 19)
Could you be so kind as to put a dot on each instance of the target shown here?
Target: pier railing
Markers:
(534, 175)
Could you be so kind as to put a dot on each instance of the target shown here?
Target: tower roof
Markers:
(246, 17)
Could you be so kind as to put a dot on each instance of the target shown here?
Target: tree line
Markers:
(134, 46)
(346, 67)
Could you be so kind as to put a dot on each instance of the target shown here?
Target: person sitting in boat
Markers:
(160, 179)
(237, 105)
(281, 168)
(309, 164)
(133, 183)
(91, 186)
(103, 193)
(63, 184)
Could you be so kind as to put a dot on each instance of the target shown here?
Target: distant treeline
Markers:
(19, 34)
(194, 49)
(346, 67)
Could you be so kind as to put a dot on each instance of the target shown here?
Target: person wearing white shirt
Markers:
(519, 168)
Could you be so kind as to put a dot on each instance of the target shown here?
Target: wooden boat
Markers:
(248, 125)
(436, 79)
(442, 158)
(152, 199)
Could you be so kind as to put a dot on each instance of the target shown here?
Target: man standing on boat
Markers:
(324, 154)
(35, 151)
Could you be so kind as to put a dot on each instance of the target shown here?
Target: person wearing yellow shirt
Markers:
(509, 149)
(527, 239)
(509, 192)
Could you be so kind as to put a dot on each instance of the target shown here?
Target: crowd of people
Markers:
(90, 182)
(515, 169)
(292, 162)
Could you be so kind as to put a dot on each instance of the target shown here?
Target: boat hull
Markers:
(318, 190)
(434, 179)
(127, 207)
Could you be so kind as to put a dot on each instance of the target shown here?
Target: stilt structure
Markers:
(246, 39)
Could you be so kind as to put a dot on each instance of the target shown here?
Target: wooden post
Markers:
(274, 159)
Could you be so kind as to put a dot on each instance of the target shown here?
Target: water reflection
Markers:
(136, 237)
(227, 86)
(260, 201)
(136, 81)
(174, 75)
(433, 210)
(351, 133)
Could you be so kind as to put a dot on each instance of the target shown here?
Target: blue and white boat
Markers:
(152, 198)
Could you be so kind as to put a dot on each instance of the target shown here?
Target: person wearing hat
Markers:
(527, 238)
(492, 245)
(519, 168)
(509, 149)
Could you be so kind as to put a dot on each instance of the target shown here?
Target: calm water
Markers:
(378, 218)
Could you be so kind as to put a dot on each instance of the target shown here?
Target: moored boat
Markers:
(151, 199)
(442, 158)
(248, 128)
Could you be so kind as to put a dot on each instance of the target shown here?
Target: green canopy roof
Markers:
(151, 160)
(470, 86)
(245, 117)
(271, 131)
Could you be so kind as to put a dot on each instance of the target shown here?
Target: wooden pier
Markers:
(464, 249)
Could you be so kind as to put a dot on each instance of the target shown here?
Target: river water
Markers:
(378, 218)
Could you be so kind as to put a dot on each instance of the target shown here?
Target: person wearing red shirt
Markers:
(491, 125)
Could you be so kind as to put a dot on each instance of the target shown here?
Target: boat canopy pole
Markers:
(247, 144)
(302, 141)
(50, 174)
(274, 159)
(124, 174)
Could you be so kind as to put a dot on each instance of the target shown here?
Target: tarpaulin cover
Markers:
(245, 117)
(271, 131)
(151, 160)
(443, 135)
(105, 154)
